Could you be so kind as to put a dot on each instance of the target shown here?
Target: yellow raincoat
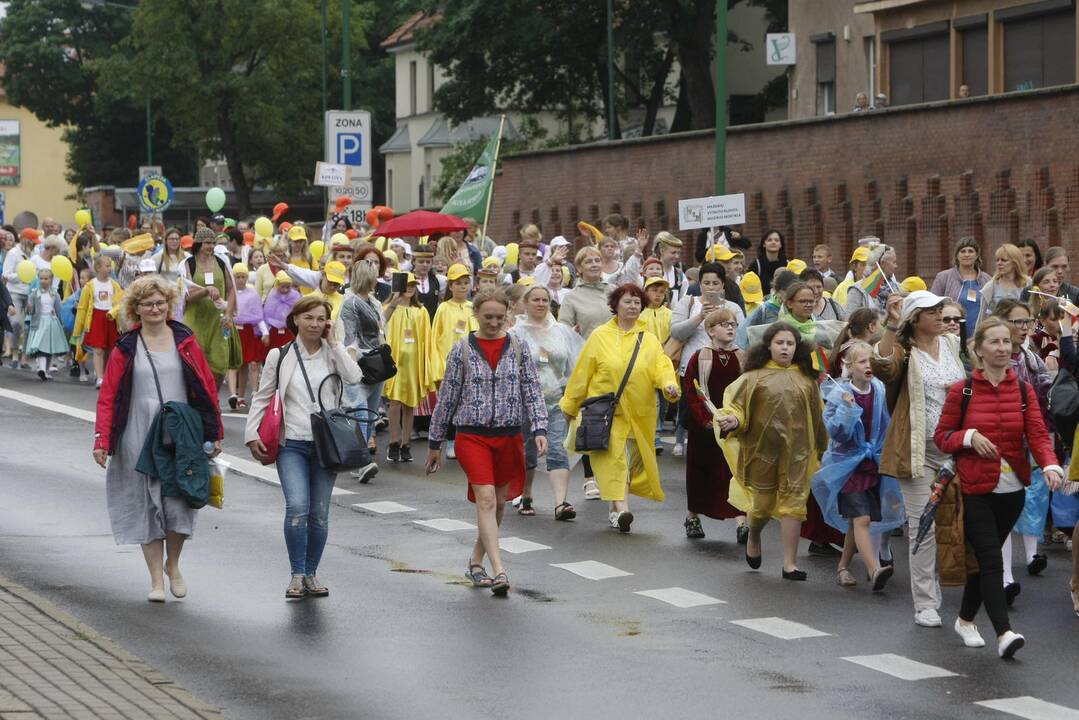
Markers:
(452, 322)
(658, 322)
(599, 370)
(778, 443)
(408, 334)
(840, 292)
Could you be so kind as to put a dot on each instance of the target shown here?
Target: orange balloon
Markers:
(341, 203)
(384, 212)
(249, 238)
(278, 210)
(186, 241)
(284, 227)
(371, 216)
(351, 234)
(132, 221)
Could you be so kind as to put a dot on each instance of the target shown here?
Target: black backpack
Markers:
(1064, 406)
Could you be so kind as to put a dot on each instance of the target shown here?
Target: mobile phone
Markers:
(399, 282)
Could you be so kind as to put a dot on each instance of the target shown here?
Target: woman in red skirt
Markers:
(95, 319)
(489, 389)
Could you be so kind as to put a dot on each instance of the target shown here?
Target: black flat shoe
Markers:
(694, 531)
(1039, 563)
(794, 575)
(742, 534)
(1011, 592)
(890, 562)
(393, 454)
(753, 562)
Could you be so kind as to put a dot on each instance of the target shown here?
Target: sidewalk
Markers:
(53, 666)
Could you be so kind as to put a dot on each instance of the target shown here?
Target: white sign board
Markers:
(360, 191)
(714, 211)
(146, 171)
(348, 141)
(779, 48)
(331, 175)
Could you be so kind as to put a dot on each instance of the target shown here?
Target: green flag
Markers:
(470, 200)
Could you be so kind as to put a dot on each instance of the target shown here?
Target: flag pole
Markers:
(491, 189)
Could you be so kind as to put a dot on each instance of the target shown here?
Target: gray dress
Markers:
(138, 512)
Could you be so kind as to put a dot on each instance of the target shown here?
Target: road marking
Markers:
(680, 597)
(900, 667)
(384, 507)
(1031, 708)
(42, 404)
(446, 524)
(780, 628)
(518, 545)
(592, 570)
(341, 491)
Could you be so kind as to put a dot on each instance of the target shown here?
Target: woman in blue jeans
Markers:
(306, 485)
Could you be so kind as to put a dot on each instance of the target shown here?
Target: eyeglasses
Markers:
(806, 303)
(729, 324)
(1022, 322)
(949, 319)
(153, 305)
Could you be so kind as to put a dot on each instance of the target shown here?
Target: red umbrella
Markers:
(420, 222)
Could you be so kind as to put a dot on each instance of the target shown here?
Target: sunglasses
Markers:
(953, 319)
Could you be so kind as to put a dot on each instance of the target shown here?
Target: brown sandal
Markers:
(526, 507)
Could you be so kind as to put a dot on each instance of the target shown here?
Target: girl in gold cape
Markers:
(408, 332)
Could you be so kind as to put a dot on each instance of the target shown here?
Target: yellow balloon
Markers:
(62, 268)
(264, 227)
(317, 248)
(26, 271)
(82, 218)
(511, 254)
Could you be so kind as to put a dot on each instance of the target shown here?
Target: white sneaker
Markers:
(85, 377)
(451, 452)
(927, 618)
(679, 450)
(970, 635)
(365, 473)
(591, 490)
(1008, 643)
(612, 517)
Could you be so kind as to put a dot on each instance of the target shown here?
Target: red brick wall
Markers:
(999, 168)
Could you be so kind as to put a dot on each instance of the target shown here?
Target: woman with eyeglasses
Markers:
(708, 477)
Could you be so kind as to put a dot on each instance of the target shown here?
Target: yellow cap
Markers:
(750, 286)
(796, 266)
(240, 269)
(860, 254)
(335, 272)
(340, 241)
(719, 253)
(297, 232)
(492, 262)
(655, 281)
(391, 257)
(457, 271)
(913, 283)
(526, 280)
(488, 270)
(282, 278)
(411, 279)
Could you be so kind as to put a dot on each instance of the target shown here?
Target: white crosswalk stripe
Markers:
(680, 597)
(384, 507)
(592, 570)
(900, 667)
(446, 524)
(1031, 708)
(518, 545)
(780, 628)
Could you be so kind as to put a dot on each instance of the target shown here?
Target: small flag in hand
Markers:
(872, 283)
(820, 361)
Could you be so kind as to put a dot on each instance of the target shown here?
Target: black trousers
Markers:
(987, 520)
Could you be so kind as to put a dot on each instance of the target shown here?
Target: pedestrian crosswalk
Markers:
(680, 597)
(780, 628)
(446, 524)
(592, 570)
(1030, 708)
(900, 667)
(384, 507)
(518, 545)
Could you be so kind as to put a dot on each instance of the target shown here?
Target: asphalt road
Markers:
(403, 633)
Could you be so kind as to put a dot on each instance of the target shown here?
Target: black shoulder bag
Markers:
(597, 413)
(377, 363)
(337, 435)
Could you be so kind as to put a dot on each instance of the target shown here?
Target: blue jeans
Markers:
(307, 489)
(556, 438)
(368, 396)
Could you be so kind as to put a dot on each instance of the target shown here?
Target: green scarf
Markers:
(807, 329)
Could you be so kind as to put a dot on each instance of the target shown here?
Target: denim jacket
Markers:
(485, 402)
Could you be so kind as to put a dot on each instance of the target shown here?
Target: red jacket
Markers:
(114, 399)
(995, 412)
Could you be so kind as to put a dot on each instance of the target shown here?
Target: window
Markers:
(430, 86)
(918, 63)
(871, 67)
(412, 87)
(975, 71)
(825, 48)
(389, 187)
(1039, 45)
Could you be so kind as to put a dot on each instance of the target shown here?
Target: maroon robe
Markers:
(708, 478)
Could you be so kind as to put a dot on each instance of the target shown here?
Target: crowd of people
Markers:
(839, 402)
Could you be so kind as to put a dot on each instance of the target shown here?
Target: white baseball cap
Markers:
(558, 241)
(918, 300)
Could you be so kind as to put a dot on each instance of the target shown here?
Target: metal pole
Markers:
(346, 52)
(149, 134)
(610, 70)
(324, 62)
(721, 97)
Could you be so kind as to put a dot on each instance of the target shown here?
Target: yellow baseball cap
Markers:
(526, 281)
(492, 262)
(860, 254)
(655, 281)
(411, 279)
(240, 269)
(456, 272)
(297, 232)
(282, 278)
(335, 272)
(796, 266)
(913, 283)
(391, 257)
(340, 241)
(719, 253)
(750, 285)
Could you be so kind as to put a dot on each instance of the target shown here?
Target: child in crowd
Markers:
(251, 327)
(275, 311)
(95, 320)
(408, 331)
(46, 338)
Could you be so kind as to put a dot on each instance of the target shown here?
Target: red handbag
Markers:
(272, 424)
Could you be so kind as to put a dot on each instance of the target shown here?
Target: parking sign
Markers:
(348, 140)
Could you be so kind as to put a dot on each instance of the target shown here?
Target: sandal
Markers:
(565, 511)
(478, 575)
(501, 584)
(844, 578)
(526, 507)
(591, 490)
(295, 590)
(241, 403)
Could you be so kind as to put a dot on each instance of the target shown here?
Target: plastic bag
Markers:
(219, 469)
(1032, 520)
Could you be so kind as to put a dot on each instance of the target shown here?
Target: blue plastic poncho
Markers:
(847, 448)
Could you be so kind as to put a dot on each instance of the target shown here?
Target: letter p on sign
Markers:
(350, 149)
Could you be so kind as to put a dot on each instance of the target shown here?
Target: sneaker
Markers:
(1008, 643)
(591, 490)
(927, 618)
(1036, 565)
(365, 473)
(881, 577)
(679, 450)
(971, 637)
(74, 371)
(406, 453)
(232, 402)
(85, 377)
(1011, 592)
(393, 453)
(625, 519)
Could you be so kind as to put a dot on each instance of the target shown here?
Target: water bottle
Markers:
(208, 447)
(226, 331)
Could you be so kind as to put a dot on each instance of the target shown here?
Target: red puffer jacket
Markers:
(114, 399)
(995, 412)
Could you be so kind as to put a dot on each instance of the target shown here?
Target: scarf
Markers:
(807, 329)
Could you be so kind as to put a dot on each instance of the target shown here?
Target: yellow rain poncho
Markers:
(658, 322)
(452, 322)
(600, 368)
(408, 334)
(778, 443)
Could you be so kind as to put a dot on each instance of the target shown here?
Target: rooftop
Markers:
(406, 33)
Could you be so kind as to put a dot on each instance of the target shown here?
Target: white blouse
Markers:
(938, 376)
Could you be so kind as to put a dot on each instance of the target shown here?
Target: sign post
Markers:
(349, 144)
(155, 194)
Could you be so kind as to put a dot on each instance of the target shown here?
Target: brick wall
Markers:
(1000, 168)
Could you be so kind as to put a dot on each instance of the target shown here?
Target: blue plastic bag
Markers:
(1032, 520)
(67, 312)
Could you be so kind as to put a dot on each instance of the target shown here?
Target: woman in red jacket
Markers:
(991, 440)
(156, 362)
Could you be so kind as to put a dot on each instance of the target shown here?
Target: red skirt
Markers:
(102, 334)
(497, 461)
(279, 337)
(254, 350)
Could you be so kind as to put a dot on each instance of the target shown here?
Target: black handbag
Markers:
(597, 413)
(1064, 405)
(377, 365)
(338, 437)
